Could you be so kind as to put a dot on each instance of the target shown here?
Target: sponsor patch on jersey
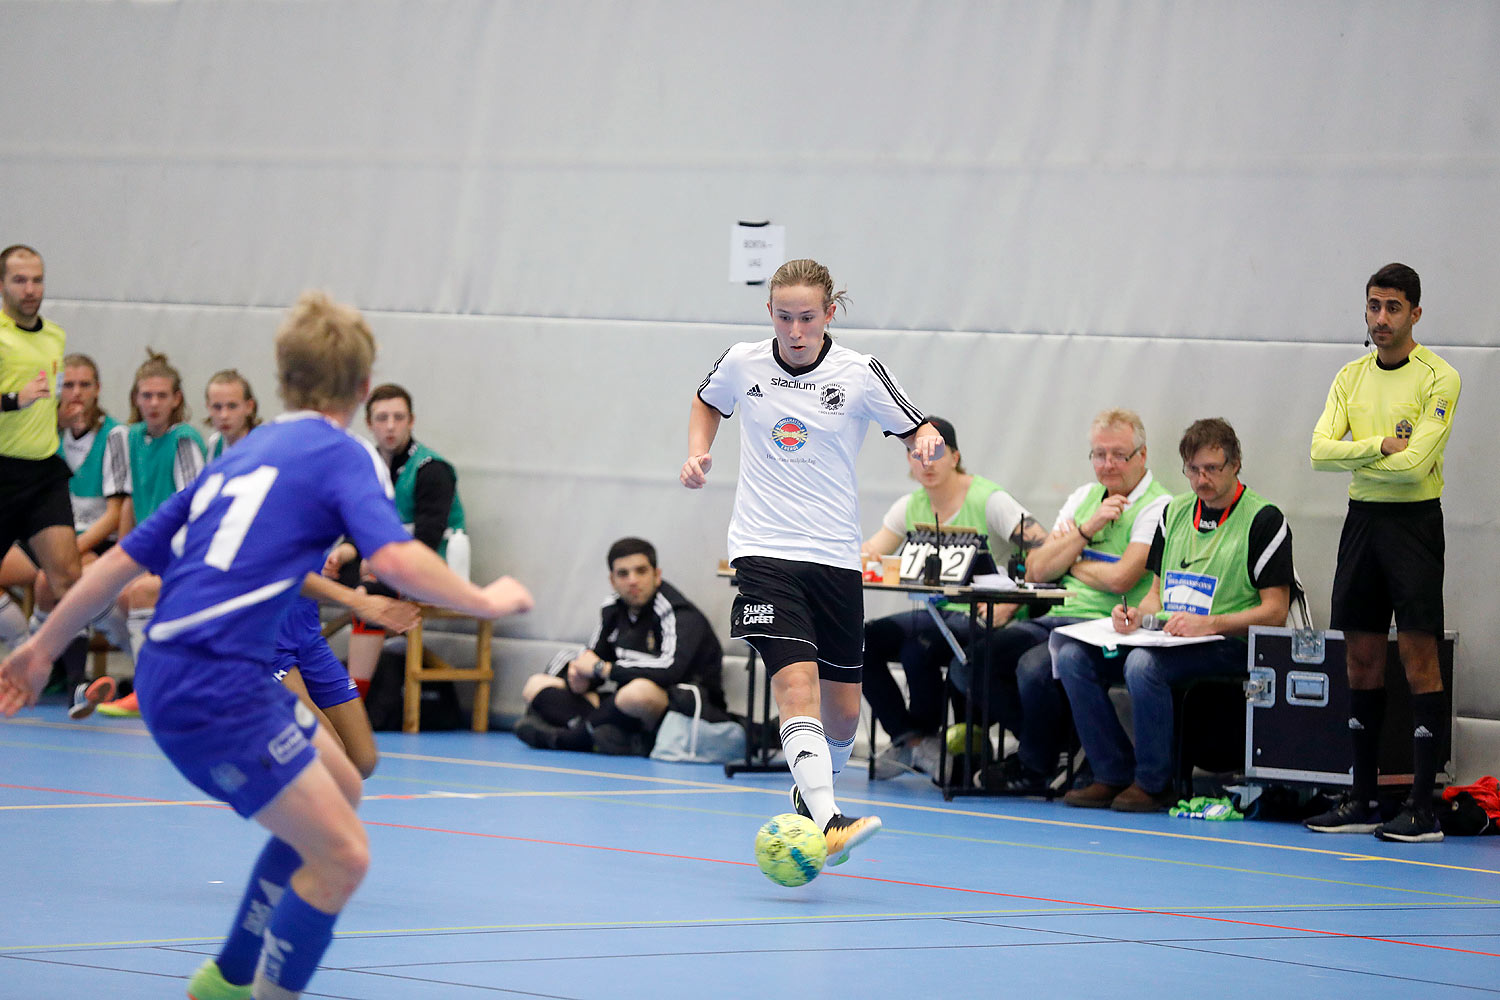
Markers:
(754, 391)
(791, 383)
(833, 398)
(789, 433)
(1441, 407)
(1403, 429)
(1190, 592)
(288, 743)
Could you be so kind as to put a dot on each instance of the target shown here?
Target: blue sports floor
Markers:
(501, 871)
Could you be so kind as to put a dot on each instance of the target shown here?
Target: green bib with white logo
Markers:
(1208, 573)
(1085, 601)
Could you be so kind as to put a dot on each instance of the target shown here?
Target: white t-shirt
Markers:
(1002, 516)
(800, 432)
(1144, 528)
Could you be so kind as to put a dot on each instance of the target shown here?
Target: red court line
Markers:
(867, 878)
(955, 888)
(109, 795)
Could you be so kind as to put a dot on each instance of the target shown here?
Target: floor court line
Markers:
(963, 889)
(879, 803)
(721, 788)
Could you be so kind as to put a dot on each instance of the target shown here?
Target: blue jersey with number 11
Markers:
(233, 548)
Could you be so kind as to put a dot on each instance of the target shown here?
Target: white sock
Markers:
(807, 756)
(839, 753)
(135, 623)
(12, 623)
(114, 627)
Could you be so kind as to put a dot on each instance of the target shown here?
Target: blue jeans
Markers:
(1023, 696)
(1149, 674)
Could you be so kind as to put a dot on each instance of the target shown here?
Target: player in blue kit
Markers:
(302, 661)
(232, 550)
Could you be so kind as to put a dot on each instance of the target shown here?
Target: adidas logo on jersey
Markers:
(1422, 733)
(754, 390)
(1356, 724)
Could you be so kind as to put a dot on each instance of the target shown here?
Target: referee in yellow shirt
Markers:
(34, 504)
(1395, 406)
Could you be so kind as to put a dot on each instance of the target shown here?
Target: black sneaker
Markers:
(1011, 777)
(1348, 816)
(798, 806)
(1412, 825)
(535, 733)
(844, 833)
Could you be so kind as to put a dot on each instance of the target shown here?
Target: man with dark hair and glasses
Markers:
(1097, 550)
(1395, 406)
(1221, 561)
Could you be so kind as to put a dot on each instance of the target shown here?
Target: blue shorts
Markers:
(300, 644)
(229, 728)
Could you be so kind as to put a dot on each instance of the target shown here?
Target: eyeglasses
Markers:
(1119, 457)
(1211, 470)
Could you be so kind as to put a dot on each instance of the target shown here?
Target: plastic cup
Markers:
(890, 569)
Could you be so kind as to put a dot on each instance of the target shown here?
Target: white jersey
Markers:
(800, 433)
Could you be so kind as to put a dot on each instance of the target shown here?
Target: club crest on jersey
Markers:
(789, 433)
(833, 398)
(1403, 429)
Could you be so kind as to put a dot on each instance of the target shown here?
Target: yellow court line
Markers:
(953, 811)
(130, 727)
(586, 925)
(914, 807)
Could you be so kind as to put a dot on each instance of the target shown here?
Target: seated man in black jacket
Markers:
(652, 645)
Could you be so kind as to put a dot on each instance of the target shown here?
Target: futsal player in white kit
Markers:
(794, 536)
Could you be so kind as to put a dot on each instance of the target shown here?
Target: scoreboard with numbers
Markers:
(962, 552)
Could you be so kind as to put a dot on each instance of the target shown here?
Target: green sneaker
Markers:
(208, 984)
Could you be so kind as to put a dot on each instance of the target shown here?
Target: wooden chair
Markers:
(425, 665)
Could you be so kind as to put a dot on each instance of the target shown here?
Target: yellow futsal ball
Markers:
(790, 849)
(964, 738)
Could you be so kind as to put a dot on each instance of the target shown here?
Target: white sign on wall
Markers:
(756, 250)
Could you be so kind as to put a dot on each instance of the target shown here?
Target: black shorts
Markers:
(792, 611)
(33, 497)
(1390, 560)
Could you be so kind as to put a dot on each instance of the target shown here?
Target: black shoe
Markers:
(1414, 824)
(1349, 815)
(798, 806)
(536, 733)
(1011, 777)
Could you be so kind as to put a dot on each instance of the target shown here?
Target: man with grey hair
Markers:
(1097, 550)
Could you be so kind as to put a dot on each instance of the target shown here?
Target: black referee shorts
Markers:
(792, 611)
(1390, 560)
(33, 497)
